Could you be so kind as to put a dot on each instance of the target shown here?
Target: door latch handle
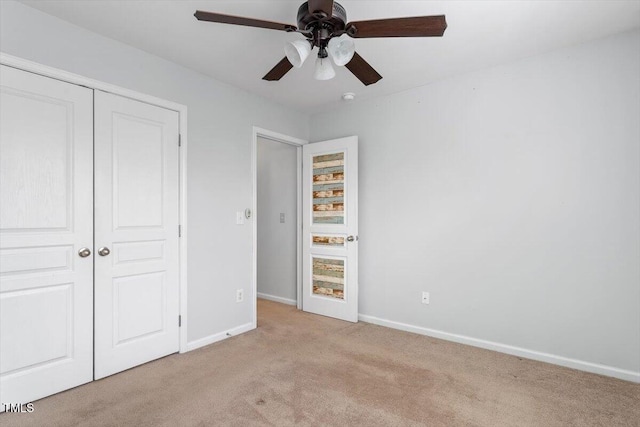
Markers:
(104, 251)
(84, 252)
(352, 239)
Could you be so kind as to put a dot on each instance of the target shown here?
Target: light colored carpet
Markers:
(301, 369)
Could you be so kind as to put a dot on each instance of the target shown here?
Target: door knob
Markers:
(352, 238)
(104, 251)
(84, 252)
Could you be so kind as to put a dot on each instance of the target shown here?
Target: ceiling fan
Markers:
(324, 24)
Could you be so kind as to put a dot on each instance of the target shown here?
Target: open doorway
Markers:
(277, 171)
(277, 218)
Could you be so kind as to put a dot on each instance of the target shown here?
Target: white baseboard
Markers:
(508, 349)
(219, 336)
(277, 299)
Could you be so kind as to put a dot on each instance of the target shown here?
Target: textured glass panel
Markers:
(327, 240)
(328, 189)
(328, 277)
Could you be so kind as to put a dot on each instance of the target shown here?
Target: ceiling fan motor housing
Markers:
(321, 26)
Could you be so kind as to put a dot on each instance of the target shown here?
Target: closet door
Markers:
(136, 233)
(46, 236)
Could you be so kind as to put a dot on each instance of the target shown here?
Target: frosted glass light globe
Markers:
(324, 69)
(341, 49)
(297, 52)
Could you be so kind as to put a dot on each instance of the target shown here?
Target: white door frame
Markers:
(298, 143)
(44, 70)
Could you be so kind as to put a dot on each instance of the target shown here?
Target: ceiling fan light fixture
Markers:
(341, 49)
(297, 52)
(324, 69)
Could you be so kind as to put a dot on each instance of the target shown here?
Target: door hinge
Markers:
(179, 140)
(179, 320)
(179, 230)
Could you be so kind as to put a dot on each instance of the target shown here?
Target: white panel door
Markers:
(330, 228)
(136, 233)
(46, 215)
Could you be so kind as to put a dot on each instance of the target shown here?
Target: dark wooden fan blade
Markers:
(325, 6)
(362, 70)
(239, 20)
(418, 26)
(279, 70)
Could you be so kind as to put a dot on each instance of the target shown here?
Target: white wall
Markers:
(221, 120)
(511, 195)
(277, 242)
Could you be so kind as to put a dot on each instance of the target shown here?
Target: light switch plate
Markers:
(239, 218)
(425, 297)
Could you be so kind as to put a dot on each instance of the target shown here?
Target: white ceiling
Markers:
(480, 34)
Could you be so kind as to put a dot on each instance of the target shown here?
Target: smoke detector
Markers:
(348, 96)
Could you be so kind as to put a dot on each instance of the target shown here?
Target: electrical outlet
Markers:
(239, 295)
(425, 297)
